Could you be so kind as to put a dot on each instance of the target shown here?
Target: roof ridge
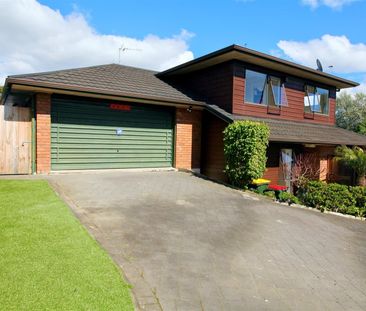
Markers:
(36, 74)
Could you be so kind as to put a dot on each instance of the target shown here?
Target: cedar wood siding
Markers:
(213, 85)
(295, 98)
(213, 160)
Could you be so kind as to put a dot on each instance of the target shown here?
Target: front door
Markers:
(15, 140)
(286, 166)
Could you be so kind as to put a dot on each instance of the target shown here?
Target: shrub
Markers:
(270, 194)
(288, 198)
(312, 194)
(354, 158)
(335, 197)
(338, 197)
(245, 146)
(359, 193)
(354, 211)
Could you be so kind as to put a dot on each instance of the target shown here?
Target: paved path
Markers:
(185, 243)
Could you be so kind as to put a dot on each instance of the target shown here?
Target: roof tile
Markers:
(114, 78)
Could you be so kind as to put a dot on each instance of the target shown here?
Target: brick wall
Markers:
(188, 139)
(43, 133)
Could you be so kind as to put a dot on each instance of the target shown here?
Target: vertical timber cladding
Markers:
(106, 135)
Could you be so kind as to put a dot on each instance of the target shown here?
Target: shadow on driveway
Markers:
(186, 243)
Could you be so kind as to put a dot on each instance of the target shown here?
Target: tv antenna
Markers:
(124, 48)
(319, 65)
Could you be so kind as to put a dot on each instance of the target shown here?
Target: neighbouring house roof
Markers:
(236, 52)
(299, 132)
(109, 79)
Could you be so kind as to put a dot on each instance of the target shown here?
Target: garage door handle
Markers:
(26, 142)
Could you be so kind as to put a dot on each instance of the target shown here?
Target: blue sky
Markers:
(50, 34)
(258, 23)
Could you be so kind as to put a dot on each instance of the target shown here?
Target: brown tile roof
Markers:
(237, 52)
(110, 79)
(300, 132)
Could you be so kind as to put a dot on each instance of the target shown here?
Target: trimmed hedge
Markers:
(245, 147)
(334, 197)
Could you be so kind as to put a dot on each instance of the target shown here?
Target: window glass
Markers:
(274, 91)
(323, 100)
(316, 100)
(255, 85)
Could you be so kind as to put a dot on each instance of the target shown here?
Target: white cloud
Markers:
(35, 38)
(336, 51)
(358, 89)
(334, 4)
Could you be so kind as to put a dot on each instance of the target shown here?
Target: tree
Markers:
(351, 111)
(361, 127)
(356, 159)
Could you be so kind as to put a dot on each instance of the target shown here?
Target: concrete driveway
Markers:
(185, 243)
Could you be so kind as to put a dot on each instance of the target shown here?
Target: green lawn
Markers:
(48, 261)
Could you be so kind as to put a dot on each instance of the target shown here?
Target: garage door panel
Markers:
(85, 120)
(84, 136)
(104, 165)
(111, 136)
(111, 131)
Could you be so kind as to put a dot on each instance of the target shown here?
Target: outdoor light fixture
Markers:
(309, 145)
(189, 109)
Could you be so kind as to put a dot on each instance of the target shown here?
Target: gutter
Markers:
(259, 55)
(55, 88)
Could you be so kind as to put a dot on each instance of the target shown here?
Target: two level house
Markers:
(113, 116)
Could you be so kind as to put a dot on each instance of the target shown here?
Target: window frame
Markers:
(266, 90)
(306, 85)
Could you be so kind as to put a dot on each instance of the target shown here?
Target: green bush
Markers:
(270, 194)
(359, 193)
(338, 197)
(354, 211)
(288, 198)
(312, 194)
(245, 146)
(335, 197)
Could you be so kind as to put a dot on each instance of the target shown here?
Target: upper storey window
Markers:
(316, 100)
(263, 89)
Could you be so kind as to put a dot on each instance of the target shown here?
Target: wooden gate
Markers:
(15, 140)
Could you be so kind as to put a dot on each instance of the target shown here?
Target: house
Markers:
(113, 116)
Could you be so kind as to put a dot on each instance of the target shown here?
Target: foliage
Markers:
(270, 194)
(1, 89)
(312, 193)
(355, 158)
(305, 168)
(335, 197)
(351, 111)
(287, 197)
(48, 260)
(245, 146)
(361, 127)
(359, 193)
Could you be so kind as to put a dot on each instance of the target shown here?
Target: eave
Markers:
(235, 52)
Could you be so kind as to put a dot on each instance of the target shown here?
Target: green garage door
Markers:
(87, 135)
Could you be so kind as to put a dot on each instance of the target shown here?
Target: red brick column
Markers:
(43, 133)
(188, 139)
